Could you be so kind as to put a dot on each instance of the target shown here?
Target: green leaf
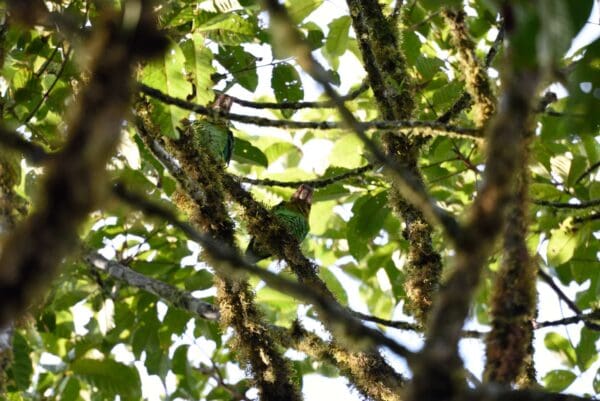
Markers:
(70, 388)
(557, 343)
(561, 246)
(241, 64)
(586, 349)
(68, 299)
(428, 66)
(298, 10)
(199, 280)
(282, 306)
(245, 152)
(347, 152)
(369, 213)
(334, 285)
(198, 61)
(22, 367)
(166, 75)
(109, 377)
(279, 149)
(227, 28)
(436, 5)
(445, 96)
(411, 46)
(596, 382)
(287, 85)
(558, 380)
(337, 39)
(314, 35)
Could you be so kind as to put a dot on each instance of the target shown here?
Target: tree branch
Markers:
(35, 153)
(73, 184)
(417, 128)
(172, 295)
(295, 337)
(364, 86)
(548, 280)
(494, 392)
(594, 315)
(411, 187)
(316, 183)
(232, 263)
(588, 171)
(465, 100)
(563, 205)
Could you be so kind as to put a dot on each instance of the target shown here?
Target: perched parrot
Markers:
(214, 134)
(293, 214)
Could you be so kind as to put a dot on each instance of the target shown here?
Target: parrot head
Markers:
(302, 198)
(222, 103)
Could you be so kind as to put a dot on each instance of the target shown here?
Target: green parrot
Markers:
(214, 134)
(293, 214)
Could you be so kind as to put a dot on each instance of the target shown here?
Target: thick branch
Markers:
(233, 263)
(394, 93)
(33, 152)
(73, 185)
(253, 342)
(509, 345)
(439, 362)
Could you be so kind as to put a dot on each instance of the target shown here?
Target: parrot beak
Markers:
(304, 193)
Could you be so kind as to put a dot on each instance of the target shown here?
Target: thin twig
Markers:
(563, 205)
(41, 70)
(301, 105)
(548, 280)
(583, 219)
(52, 85)
(569, 320)
(402, 325)
(588, 171)
(33, 152)
(419, 128)
(315, 183)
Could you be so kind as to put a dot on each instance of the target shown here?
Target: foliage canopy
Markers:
(451, 185)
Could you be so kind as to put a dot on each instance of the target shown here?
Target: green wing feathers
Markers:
(217, 138)
(294, 221)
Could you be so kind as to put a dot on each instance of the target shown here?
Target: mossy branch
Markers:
(385, 63)
(340, 320)
(509, 347)
(506, 143)
(476, 79)
(202, 174)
